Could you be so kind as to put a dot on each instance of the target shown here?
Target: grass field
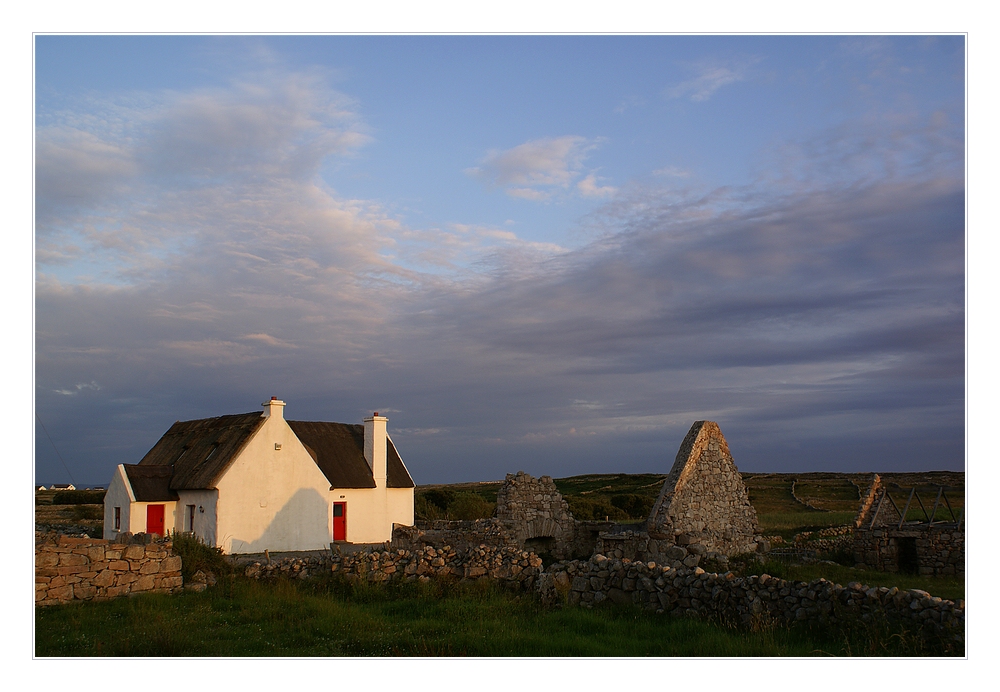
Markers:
(330, 618)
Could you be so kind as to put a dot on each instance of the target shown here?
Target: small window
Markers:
(189, 519)
(118, 518)
(211, 453)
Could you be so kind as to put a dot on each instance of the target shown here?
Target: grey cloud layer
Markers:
(834, 311)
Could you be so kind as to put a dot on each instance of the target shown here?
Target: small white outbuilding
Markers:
(252, 482)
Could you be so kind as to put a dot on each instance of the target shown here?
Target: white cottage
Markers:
(252, 481)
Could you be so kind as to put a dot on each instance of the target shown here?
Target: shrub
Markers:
(426, 510)
(78, 497)
(440, 497)
(594, 509)
(195, 555)
(636, 506)
(92, 512)
(469, 506)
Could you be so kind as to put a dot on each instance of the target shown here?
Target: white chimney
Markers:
(375, 446)
(274, 407)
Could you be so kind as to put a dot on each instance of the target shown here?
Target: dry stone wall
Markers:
(704, 500)
(534, 509)
(68, 569)
(511, 567)
(693, 592)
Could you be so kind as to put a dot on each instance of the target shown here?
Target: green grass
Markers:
(947, 587)
(787, 524)
(244, 618)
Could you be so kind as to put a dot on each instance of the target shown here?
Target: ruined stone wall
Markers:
(458, 534)
(704, 498)
(534, 509)
(878, 538)
(68, 569)
(940, 549)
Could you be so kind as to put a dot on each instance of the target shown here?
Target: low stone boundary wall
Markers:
(725, 597)
(509, 566)
(68, 569)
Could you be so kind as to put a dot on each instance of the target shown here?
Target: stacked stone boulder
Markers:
(84, 569)
(704, 500)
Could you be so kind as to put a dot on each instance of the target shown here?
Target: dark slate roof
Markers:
(150, 483)
(339, 451)
(200, 451)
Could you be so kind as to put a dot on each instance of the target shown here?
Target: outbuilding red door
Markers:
(154, 519)
(340, 521)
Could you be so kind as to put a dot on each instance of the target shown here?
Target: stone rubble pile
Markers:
(678, 553)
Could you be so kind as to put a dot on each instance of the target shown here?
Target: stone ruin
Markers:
(704, 499)
(703, 511)
(531, 514)
(536, 513)
(883, 541)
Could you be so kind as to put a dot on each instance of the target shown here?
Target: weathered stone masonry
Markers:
(881, 543)
(704, 498)
(536, 511)
(68, 569)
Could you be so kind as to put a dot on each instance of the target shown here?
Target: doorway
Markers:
(340, 521)
(154, 519)
(906, 555)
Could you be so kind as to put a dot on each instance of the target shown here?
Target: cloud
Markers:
(817, 313)
(536, 170)
(710, 76)
(93, 386)
(588, 187)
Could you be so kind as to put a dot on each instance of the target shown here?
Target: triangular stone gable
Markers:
(875, 509)
(704, 499)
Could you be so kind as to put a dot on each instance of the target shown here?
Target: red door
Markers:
(340, 521)
(154, 519)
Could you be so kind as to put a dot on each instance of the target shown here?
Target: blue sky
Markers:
(532, 252)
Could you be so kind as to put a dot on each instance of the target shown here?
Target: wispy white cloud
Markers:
(710, 76)
(73, 391)
(589, 187)
(538, 169)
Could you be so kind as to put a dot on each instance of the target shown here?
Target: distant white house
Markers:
(252, 481)
(62, 486)
(39, 488)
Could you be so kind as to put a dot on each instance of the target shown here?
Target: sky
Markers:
(539, 253)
